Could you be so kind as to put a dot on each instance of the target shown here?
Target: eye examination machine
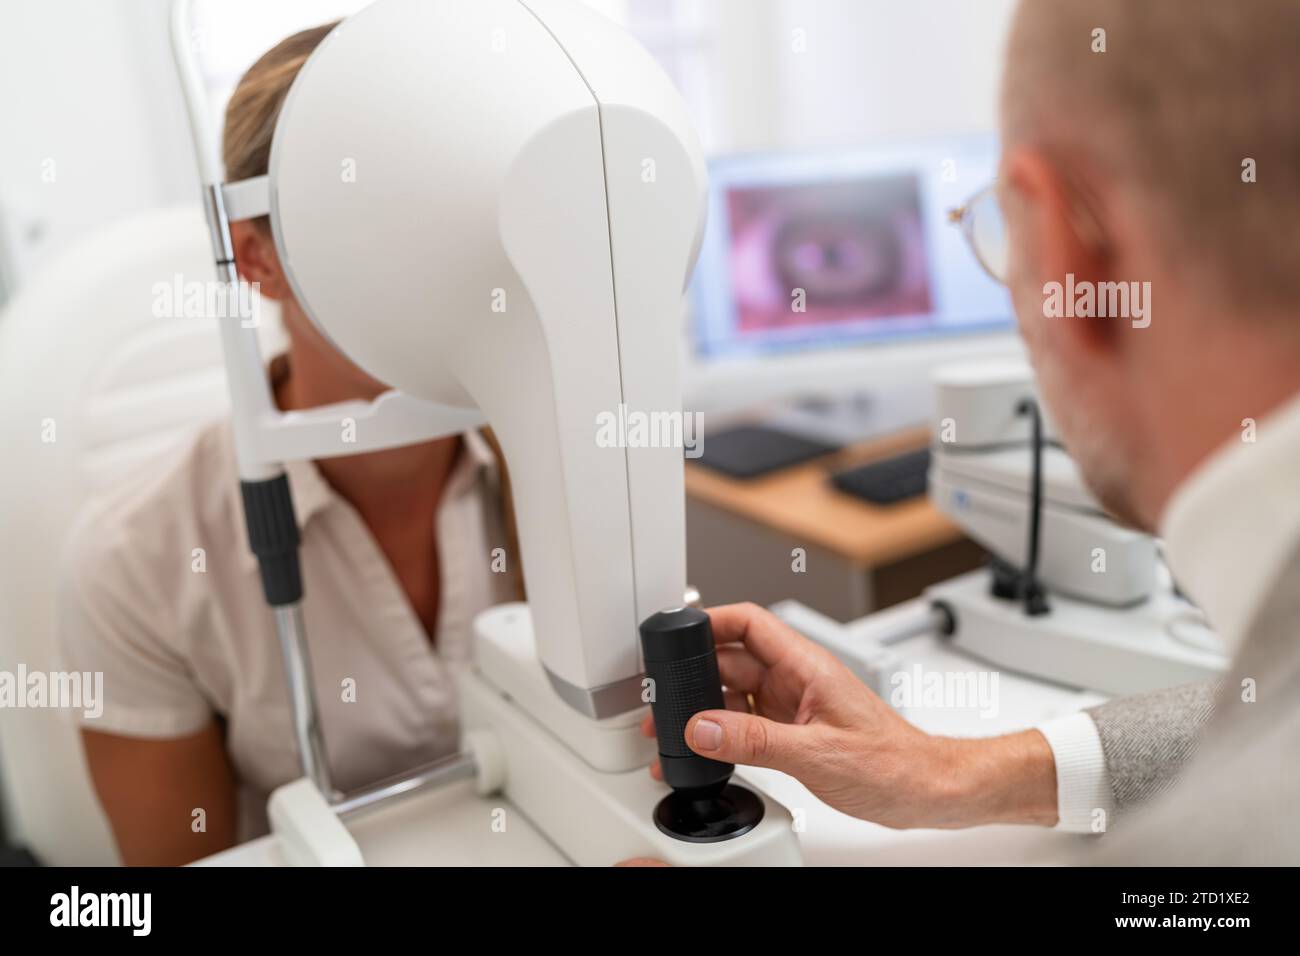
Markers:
(495, 208)
(511, 248)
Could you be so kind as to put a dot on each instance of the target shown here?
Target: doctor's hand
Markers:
(813, 719)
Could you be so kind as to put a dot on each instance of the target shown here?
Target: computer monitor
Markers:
(837, 269)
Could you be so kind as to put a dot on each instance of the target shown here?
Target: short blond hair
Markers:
(255, 104)
(1185, 96)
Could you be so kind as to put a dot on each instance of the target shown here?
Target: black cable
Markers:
(1031, 589)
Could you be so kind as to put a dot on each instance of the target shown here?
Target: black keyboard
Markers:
(888, 481)
(750, 451)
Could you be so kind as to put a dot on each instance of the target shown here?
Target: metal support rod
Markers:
(302, 696)
(250, 393)
(440, 772)
(930, 620)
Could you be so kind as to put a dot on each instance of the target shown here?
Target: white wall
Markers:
(94, 128)
(849, 71)
(92, 123)
(782, 74)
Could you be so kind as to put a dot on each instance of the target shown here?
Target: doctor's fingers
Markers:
(759, 631)
(754, 741)
(739, 669)
(736, 700)
(733, 698)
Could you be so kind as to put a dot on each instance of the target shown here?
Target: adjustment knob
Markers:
(682, 662)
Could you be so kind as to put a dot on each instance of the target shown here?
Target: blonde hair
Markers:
(255, 105)
(246, 137)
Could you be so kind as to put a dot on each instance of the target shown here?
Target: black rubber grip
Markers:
(681, 661)
(273, 537)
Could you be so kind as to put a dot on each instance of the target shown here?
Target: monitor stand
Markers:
(852, 417)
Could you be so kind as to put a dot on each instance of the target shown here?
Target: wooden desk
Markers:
(741, 537)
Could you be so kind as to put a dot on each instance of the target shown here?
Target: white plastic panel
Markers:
(443, 216)
(655, 181)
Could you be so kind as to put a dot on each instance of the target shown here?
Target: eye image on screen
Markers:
(857, 249)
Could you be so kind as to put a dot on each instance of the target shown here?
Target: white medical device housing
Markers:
(980, 477)
(504, 216)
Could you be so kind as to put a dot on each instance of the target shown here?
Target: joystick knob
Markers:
(683, 664)
(681, 660)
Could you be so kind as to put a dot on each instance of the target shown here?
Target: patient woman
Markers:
(162, 594)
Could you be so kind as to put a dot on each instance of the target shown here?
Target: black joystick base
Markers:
(708, 816)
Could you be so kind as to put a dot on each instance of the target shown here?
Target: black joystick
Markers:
(682, 663)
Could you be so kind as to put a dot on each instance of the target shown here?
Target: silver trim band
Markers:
(608, 700)
(440, 772)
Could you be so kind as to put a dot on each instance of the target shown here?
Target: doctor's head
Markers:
(250, 122)
(1150, 185)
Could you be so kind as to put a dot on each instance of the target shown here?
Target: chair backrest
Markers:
(94, 385)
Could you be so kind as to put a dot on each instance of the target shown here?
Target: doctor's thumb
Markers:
(733, 737)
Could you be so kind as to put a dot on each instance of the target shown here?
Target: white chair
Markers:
(84, 359)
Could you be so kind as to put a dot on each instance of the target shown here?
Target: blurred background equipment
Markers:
(816, 263)
(829, 286)
(1071, 596)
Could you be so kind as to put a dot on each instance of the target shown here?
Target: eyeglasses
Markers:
(980, 220)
